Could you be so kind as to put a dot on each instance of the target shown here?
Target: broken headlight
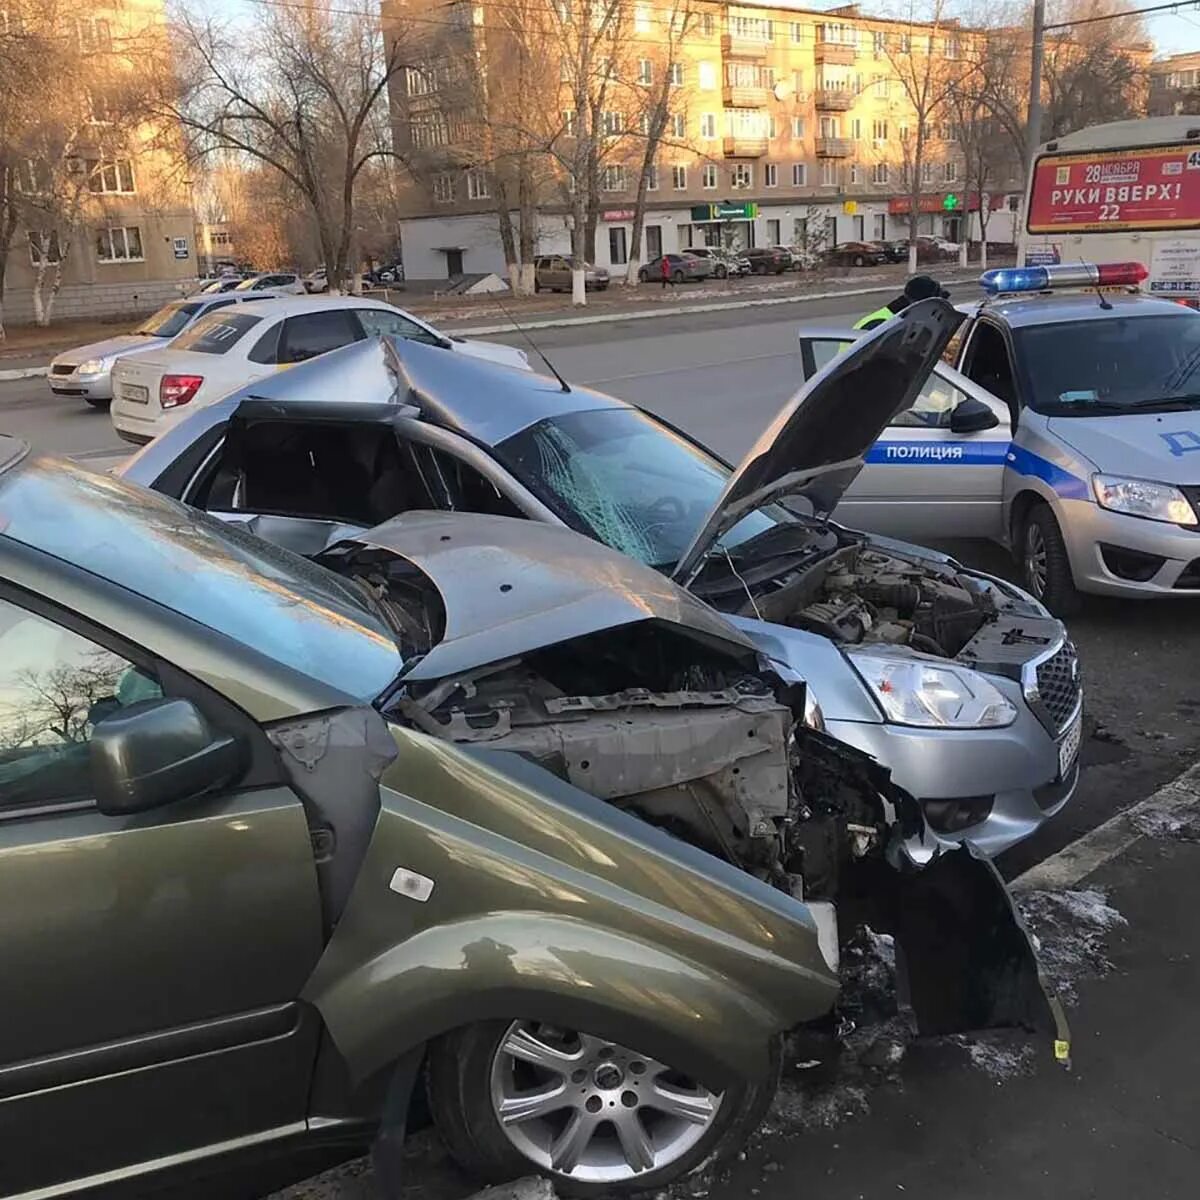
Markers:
(912, 692)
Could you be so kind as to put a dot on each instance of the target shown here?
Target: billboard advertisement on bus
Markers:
(1106, 191)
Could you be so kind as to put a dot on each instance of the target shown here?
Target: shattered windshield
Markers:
(622, 478)
(1115, 365)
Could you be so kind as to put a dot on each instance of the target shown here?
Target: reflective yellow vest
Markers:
(879, 315)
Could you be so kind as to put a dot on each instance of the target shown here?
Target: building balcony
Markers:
(833, 101)
(737, 96)
(745, 147)
(743, 47)
(835, 52)
(834, 147)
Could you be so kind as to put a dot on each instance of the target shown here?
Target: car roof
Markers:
(290, 306)
(1018, 312)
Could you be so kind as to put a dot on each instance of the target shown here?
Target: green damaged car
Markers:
(472, 805)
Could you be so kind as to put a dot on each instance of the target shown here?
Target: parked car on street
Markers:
(552, 273)
(315, 832)
(768, 260)
(856, 254)
(86, 371)
(284, 283)
(681, 268)
(223, 283)
(1083, 470)
(962, 685)
(725, 263)
(232, 348)
(894, 251)
(316, 282)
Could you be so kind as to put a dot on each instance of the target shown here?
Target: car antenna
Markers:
(1105, 304)
(566, 387)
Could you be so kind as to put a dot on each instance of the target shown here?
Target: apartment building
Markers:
(1175, 85)
(116, 211)
(790, 126)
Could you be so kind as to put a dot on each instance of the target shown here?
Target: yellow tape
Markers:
(1062, 1050)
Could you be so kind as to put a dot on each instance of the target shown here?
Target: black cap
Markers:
(925, 287)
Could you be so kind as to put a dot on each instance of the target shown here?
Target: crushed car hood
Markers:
(510, 586)
(815, 447)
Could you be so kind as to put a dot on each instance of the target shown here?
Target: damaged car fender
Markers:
(521, 896)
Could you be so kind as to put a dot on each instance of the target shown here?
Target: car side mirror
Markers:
(972, 416)
(157, 752)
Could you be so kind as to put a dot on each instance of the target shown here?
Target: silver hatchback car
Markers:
(966, 688)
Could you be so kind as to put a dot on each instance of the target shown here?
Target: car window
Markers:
(459, 487)
(169, 320)
(379, 322)
(216, 334)
(55, 688)
(350, 472)
(933, 405)
(309, 334)
(988, 364)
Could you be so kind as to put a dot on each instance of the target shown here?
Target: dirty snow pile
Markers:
(1181, 825)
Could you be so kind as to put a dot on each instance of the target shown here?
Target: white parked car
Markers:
(281, 282)
(86, 371)
(236, 346)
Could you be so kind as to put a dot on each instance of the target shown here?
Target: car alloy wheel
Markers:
(678, 276)
(583, 1107)
(1035, 559)
(859, 261)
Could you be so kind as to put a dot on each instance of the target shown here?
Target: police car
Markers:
(1067, 429)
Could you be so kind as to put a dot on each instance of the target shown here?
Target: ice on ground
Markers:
(1070, 927)
(1183, 825)
(1001, 1055)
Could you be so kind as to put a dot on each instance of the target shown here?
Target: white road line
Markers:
(1114, 837)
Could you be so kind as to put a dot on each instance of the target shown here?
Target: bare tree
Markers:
(299, 89)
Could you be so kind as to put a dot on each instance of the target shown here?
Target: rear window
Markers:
(169, 320)
(215, 334)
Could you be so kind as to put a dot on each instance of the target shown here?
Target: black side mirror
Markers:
(972, 416)
(156, 752)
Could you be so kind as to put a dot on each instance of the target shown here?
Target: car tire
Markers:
(677, 276)
(97, 402)
(537, 287)
(859, 261)
(466, 1079)
(1045, 567)
(721, 272)
(642, 276)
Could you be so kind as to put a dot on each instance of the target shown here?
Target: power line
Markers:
(1131, 12)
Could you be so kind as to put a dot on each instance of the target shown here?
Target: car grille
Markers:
(1059, 688)
(62, 368)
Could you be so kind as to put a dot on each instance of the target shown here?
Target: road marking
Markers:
(1114, 837)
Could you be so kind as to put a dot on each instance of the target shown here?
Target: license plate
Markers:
(135, 393)
(1068, 748)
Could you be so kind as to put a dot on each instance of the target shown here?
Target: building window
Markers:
(644, 124)
(879, 131)
(570, 124)
(617, 254)
(905, 43)
(741, 175)
(879, 173)
(831, 127)
(679, 178)
(676, 73)
(708, 177)
(99, 110)
(612, 123)
(903, 132)
(418, 82)
(642, 19)
(880, 83)
(443, 189)
(772, 127)
(679, 126)
(708, 24)
(855, 173)
(879, 39)
(797, 33)
(797, 127)
(842, 35)
(946, 132)
(478, 185)
(773, 232)
(645, 71)
(770, 175)
(706, 74)
(950, 172)
(927, 172)
(856, 129)
(429, 130)
(652, 177)
(952, 48)
(708, 125)
(799, 174)
(829, 173)
(94, 35)
(44, 247)
(115, 176)
(751, 29)
(613, 178)
(120, 244)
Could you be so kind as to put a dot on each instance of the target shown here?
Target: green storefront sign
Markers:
(724, 212)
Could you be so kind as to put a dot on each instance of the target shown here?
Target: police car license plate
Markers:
(135, 393)
(1068, 748)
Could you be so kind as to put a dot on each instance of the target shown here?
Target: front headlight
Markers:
(1143, 498)
(93, 366)
(912, 692)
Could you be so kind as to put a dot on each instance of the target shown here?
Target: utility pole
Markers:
(1034, 123)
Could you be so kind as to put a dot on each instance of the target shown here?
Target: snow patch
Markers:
(1180, 825)
(999, 1055)
(1070, 927)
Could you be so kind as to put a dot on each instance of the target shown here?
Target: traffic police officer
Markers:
(919, 287)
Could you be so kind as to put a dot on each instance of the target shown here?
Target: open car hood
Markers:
(511, 586)
(815, 447)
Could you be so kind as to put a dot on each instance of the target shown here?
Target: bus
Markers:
(1124, 192)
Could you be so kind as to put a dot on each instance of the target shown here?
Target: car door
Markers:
(151, 961)
(381, 322)
(938, 470)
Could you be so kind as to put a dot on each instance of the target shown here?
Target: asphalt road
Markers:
(722, 376)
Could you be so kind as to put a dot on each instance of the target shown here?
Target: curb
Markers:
(677, 310)
(13, 373)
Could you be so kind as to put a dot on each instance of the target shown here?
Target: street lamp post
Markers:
(1034, 125)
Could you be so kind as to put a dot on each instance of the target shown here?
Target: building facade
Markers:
(105, 209)
(1175, 85)
(787, 126)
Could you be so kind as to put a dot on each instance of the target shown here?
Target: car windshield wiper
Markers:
(1168, 403)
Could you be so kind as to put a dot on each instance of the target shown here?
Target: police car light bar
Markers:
(1007, 280)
